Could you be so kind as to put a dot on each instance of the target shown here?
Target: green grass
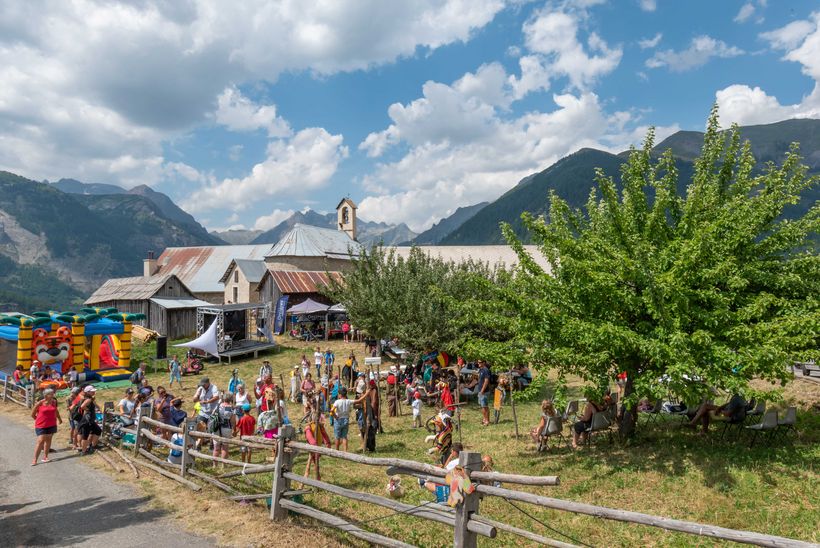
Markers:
(665, 471)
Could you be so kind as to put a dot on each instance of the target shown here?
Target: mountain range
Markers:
(59, 241)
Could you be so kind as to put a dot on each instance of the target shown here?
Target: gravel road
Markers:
(66, 503)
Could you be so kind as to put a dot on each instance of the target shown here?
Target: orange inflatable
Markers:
(56, 385)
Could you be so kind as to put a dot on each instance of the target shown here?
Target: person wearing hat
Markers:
(369, 424)
(89, 430)
(46, 415)
(264, 371)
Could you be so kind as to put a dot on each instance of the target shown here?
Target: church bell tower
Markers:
(346, 217)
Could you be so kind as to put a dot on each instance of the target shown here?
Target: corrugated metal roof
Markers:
(201, 268)
(253, 270)
(300, 281)
(313, 241)
(494, 255)
(172, 304)
(137, 288)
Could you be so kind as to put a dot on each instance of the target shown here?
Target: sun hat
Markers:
(48, 391)
(204, 381)
(417, 395)
(89, 389)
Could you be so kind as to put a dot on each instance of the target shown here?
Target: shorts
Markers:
(243, 449)
(87, 430)
(202, 418)
(483, 400)
(269, 434)
(581, 426)
(47, 431)
(72, 423)
(340, 428)
(175, 375)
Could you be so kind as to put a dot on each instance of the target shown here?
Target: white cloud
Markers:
(648, 5)
(238, 113)
(743, 104)
(745, 13)
(553, 35)
(235, 152)
(266, 222)
(293, 167)
(649, 43)
(93, 90)
(700, 50)
(183, 170)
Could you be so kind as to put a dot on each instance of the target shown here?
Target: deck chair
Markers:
(788, 423)
(653, 414)
(553, 429)
(769, 424)
(599, 423)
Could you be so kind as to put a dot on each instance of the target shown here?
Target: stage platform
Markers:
(244, 348)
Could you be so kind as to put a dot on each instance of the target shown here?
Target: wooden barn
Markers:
(169, 306)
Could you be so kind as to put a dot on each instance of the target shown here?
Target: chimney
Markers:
(149, 265)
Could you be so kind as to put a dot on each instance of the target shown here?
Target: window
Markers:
(345, 215)
(236, 294)
(236, 276)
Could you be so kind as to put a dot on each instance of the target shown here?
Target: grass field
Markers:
(665, 471)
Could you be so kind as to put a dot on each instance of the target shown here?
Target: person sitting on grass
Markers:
(127, 407)
(595, 404)
(547, 412)
(734, 411)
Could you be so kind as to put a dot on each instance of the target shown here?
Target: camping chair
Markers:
(571, 411)
(769, 424)
(553, 429)
(599, 423)
(652, 414)
(753, 411)
(788, 423)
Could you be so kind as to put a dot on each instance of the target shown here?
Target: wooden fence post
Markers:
(5, 388)
(284, 463)
(464, 538)
(29, 397)
(138, 436)
(187, 426)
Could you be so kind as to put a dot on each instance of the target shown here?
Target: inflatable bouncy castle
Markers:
(96, 341)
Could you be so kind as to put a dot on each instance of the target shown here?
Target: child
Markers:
(294, 383)
(246, 426)
(72, 377)
(416, 410)
(330, 359)
(175, 372)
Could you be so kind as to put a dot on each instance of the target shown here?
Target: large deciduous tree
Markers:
(715, 286)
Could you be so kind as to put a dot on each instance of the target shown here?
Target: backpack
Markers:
(268, 420)
(134, 378)
(214, 423)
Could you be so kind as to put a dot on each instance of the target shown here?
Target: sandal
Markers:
(45, 459)
(34, 463)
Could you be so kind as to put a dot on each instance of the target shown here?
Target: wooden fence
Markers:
(21, 395)
(465, 519)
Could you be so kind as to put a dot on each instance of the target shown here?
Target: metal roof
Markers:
(300, 281)
(313, 241)
(200, 268)
(173, 304)
(253, 270)
(494, 255)
(137, 288)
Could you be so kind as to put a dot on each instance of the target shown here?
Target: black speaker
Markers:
(162, 347)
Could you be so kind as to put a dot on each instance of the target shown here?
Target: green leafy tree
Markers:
(710, 289)
(411, 298)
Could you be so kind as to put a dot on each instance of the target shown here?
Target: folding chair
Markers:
(599, 423)
(733, 424)
(571, 411)
(788, 423)
(553, 429)
(769, 424)
(755, 411)
(653, 414)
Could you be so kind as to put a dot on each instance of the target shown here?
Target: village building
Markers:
(169, 306)
(241, 281)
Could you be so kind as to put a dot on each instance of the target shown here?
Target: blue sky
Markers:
(246, 114)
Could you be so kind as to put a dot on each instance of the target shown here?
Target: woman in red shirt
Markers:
(46, 415)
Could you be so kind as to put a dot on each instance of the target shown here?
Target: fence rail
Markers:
(465, 519)
(21, 395)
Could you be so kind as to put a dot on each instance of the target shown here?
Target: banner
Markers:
(281, 310)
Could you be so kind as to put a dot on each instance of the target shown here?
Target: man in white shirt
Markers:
(317, 361)
(207, 394)
(341, 418)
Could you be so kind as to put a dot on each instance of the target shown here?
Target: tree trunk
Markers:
(629, 414)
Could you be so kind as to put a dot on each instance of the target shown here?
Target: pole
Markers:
(138, 435)
(5, 388)
(186, 440)
(512, 404)
(464, 538)
(284, 463)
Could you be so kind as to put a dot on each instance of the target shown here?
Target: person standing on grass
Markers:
(265, 370)
(317, 361)
(227, 425)
(207, 396)
(46, 415)
(245, 426)
(484, 392)
(295, 380)
(341, 418)
(416, 404)
(305, 366)
(346, 331)
(139, 375)
(175, 372)
(370, 401)
(330, 359)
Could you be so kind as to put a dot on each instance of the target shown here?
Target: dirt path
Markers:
(66, 503)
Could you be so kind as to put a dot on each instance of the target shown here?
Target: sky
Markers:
(244, 112)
